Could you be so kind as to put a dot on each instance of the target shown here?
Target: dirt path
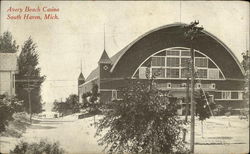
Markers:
(221, 135)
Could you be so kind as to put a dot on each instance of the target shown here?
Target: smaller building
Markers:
(8, 69)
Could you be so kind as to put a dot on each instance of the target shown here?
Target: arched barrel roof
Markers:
(128, 59)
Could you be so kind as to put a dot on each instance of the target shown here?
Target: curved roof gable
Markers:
(170, 36)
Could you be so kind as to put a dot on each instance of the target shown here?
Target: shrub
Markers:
(17, 126)
(8, 106)
(145, 120)
(43, 147)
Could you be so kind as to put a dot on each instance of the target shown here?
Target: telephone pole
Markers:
(192, 33)
(246, 66)
(29, 78)
(29, 88)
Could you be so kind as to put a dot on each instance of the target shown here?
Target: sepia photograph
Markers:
(149, 77)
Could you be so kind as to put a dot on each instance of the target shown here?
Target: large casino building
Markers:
(218, 71)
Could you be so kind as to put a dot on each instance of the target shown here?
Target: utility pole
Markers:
(191, 34)
(29, 89)
(186, 100)
(187, 92)
(246, 65)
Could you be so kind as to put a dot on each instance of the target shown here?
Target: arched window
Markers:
(173, 63)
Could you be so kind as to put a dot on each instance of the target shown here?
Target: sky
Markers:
(78, 34)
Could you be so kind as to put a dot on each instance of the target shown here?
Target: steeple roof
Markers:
(105, 58)
(81, 77)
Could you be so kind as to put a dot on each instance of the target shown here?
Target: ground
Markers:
(221, 135)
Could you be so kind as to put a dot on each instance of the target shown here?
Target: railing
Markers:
(164, 86)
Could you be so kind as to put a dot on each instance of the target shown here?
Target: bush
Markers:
(17, 126)
(8, 106)
(43, 147)
(145, 120)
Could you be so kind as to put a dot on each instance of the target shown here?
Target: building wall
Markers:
(7, 84)
(123, 69)
(84, 88)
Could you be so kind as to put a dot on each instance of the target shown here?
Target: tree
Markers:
(91, 99)
(145, 120)
(72, 100)
(29, 75)
(71, 105)
(204, 107)
(8, 106)
(7, 44)
(60, 107)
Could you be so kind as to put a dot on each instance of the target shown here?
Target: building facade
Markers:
(8, 68)
(166, 51)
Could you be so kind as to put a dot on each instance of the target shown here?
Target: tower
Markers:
(105, 62)
(81, 80)
(104, 65)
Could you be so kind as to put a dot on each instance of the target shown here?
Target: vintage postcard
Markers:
(124, 77)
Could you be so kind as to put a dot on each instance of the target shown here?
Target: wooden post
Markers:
(192, 139)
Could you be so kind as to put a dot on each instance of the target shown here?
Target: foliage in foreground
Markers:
(144, 121)
(43, 147)
(8, 106)
(18, 125)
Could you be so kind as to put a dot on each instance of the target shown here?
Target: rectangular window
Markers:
(142, 72)
(217, 95)
(240, 95)
(213, 74)
(184, 73)
(201, 62)
(184, 62)
(202, 73)
(211, 98)
(158, 72)
(172, 73)
(114, 94)
(185, 53)
(173, 62)
(226, 95)
(173, 53)
(158, 61)
(234, 95)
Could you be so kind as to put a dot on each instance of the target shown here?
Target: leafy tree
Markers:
(60, 107)
(91, 99)
(29, 75)
(204, 107)
(71, 105)
(73, 102)
(8, 106)
(145, 120)
(7, 44)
